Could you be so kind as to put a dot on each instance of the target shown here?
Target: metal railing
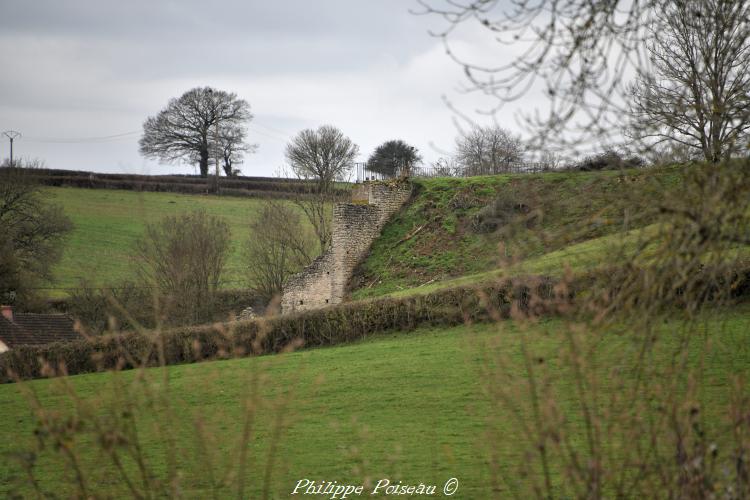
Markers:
(365, 174)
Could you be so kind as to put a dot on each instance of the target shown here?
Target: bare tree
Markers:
(31, 235)
(325, 154)
(488, 150)
(279, 245)
(183, 258)
(233, 148)
(322, 157)
(550, 160)
(446, 167)
(187, 128)
(578, 53)
(697, 92)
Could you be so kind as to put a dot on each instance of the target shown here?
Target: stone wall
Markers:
(355, 226)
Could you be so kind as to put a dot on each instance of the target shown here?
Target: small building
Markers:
(34, 329)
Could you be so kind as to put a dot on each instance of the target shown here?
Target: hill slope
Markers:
(457, 227)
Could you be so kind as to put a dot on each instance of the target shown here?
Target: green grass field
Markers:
(107, 224)
(405, 406)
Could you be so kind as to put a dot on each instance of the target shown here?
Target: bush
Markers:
(278, 246)
(182, 258)
(608, 160)
(103, 310)
(99, 310)
(499, 212)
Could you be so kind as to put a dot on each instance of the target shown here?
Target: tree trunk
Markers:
(227, 167)
(204, 162)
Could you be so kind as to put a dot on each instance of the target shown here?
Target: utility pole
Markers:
(11, 134)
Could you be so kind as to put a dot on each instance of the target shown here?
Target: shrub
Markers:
(128, 306)
(278, 246)
(182, 258)
(499, 212)
(102, 309)
(608, 160)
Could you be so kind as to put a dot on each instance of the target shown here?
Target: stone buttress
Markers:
(355, 227)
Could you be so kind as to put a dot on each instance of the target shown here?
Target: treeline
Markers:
(252, 187)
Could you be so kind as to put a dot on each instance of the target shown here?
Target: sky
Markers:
(79, 77)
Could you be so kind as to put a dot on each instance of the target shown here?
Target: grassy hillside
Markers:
(407, 407)
(458, 227)
(578, 258)
(107, 223)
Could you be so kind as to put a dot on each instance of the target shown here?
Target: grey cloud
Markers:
(197, 22)
(78, 68)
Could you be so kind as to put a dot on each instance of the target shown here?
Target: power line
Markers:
(268, 134)
(82, 140)
(271, 129)
(264, 130)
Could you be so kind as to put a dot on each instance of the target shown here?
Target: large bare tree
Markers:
(200, 123)
(697, 92)
(322, 157)
(488, 150)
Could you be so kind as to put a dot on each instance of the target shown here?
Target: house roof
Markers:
(36, 329)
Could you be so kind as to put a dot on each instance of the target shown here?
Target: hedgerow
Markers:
(335, 325)
(253, 187)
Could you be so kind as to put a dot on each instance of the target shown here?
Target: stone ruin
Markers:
(355, 227)
(247, 313)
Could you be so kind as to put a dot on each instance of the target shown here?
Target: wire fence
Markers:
(365, 173)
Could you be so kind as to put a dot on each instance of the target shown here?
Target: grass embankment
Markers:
(107, 224)
(538, 220)
(405, 407)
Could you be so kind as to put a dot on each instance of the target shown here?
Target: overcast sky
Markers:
(77, 72)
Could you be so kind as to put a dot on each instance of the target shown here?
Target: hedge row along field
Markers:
(253, 187)
(346, 323)
(349, 322)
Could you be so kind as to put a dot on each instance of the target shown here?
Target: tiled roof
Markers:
(36, 329)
